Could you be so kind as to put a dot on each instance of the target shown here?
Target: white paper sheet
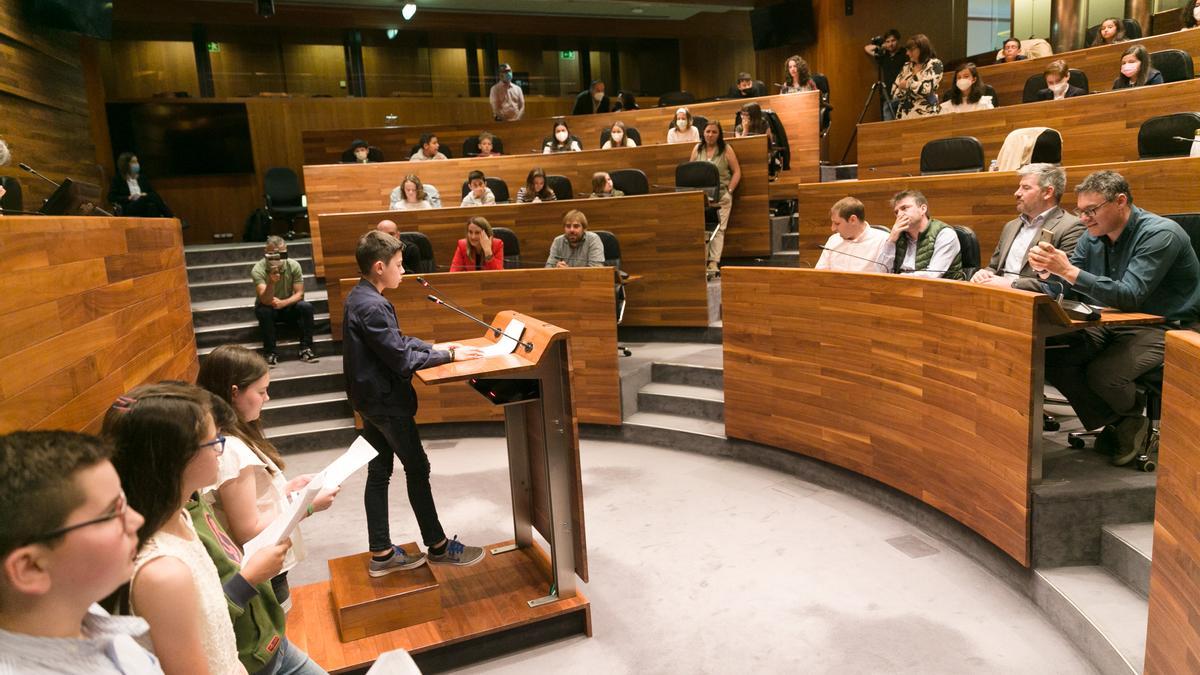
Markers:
(356, 457)
(506, 344)
(286, 522)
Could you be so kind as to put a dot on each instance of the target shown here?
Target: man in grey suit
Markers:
(1038, 195)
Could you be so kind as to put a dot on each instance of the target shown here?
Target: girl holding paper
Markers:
(251, 488)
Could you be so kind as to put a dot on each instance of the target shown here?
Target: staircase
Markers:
(679, 399)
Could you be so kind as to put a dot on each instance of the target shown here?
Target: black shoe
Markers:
(1106, 441)
(272, 360)
(307, 356)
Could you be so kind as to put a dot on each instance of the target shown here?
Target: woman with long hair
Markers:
(479, 250)
(131, 192)
(1112, 31)
(967, 94)
(535, 188)
(796, 76)
(714, 150)
(914, 93)
(1136, 70)
(560, 139)
(682, 129)
(410, 195)
(1189, 15)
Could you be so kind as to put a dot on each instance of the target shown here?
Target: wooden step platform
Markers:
(484, 614)
(365, 605)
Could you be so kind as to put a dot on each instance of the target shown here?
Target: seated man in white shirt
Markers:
(854, 245)
(920, 245)
(1038, 195)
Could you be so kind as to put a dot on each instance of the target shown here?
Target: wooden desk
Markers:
(661, 235)
(1095, 129)
(344, 188)
(91, 308)
(985, 201)
(1101, 64)
(580, 300)
(797, 112)
(933, 387)
(1173, 635)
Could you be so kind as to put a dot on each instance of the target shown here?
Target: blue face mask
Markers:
(507, 77)
(135, 169)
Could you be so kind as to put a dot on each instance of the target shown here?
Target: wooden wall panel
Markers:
(143, 68)
(798, 113)
(946, 370)
(93, 307)
(1173, 634)
(344, 188)
(1095, 129)
(579, 300)
(661, 235)
(1101, 64)
(984, 202)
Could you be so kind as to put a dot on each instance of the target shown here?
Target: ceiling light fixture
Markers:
(392, 33)
(409, 9)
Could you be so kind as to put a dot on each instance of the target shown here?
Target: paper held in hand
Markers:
(507, 343)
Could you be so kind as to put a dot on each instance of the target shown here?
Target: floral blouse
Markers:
(915, 94)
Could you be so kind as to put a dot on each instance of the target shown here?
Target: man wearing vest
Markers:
(920, 245)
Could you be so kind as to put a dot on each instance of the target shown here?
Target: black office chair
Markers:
(412, 257)
(1133, 31)
(676, 99)
(701, 175)
(471, 146)
(561, 186)
(284, 197)
(957, 154)
(1158, 136)
(630, 181)
(498, 187)
(512, 246)
(426, 263)
(1174, 64)
(781, 158)
(1036, 83)
(12, 199)
(612, 258)
(1047, 148)
(989, 90)
(444, 149)
(968, 248)
(374, 154)
(632, 132)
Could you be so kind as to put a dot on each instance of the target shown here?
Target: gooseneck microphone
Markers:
(831, 250)
(455, 308)
(30, 169)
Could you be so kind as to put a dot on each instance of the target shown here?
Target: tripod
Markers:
(884, 100)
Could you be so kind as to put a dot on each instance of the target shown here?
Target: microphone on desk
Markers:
(30, 169)
(1184, 138)
(451, 306)
(859, 257)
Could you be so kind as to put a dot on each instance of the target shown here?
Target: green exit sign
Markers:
(567, 55)
(214, 47)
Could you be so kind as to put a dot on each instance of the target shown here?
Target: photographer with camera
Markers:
(279, 296)
(890, 59)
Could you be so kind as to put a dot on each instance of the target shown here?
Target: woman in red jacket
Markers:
(480, 250)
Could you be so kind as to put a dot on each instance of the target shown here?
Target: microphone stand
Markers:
(496, 331)
(30, 169)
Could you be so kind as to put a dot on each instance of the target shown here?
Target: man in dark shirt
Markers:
(891, 59)
(1134, 261)
(747, 87)
(592, 100)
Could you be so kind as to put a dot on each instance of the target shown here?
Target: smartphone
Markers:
(1046, 237)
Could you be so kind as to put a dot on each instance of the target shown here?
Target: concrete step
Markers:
(241, 310)
(288, 347)
(314, 435)
(688, 374)
(296, 378)
(284, 411)
(834, 172)
(210, 254)
(681, 399)
(1125, 551)
(1103, 617)
(236, 271)
(674, 431)
(206, 291)
(247, 331)
(789, 241)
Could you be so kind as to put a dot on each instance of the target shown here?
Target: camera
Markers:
(877, 41)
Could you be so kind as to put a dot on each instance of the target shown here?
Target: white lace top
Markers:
(218, 638)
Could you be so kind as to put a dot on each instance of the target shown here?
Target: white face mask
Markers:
(1196, 13)
(617, 138)
(1060, 88)
(599, 96)
(681, 124)
(561, 136)
(964, 84)
(1130, 69)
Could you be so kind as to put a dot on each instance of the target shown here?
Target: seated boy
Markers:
(67, 540)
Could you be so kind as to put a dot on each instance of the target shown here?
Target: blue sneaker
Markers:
(457, 553)
(399, 561)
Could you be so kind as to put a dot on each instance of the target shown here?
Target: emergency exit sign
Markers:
(567, 55)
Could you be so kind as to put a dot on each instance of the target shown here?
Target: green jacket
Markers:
(259, 623)
(925, 242)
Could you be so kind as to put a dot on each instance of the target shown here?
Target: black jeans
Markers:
(300, 313)
(149, 205)
(398, 435)
(1096, 371)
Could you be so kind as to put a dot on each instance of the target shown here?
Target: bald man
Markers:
(388, 227)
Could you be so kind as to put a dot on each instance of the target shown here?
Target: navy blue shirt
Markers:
(1150, 268)
(377, 359)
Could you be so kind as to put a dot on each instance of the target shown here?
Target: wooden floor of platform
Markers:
(482, 600)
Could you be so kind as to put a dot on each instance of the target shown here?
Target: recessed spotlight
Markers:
(392, 33)
(409, 9)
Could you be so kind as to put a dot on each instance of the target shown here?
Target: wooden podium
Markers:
(534, 385)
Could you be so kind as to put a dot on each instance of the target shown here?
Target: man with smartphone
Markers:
(1041, 219)
(279, 296)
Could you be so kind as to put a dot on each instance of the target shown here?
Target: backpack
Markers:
(258, 226)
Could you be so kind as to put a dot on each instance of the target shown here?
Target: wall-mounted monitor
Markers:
(183, 139)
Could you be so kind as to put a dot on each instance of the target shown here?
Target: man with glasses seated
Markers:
(1134, 261)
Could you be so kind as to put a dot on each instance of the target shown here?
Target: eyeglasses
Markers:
(119, 510)
(219, 442)
(1090, 212)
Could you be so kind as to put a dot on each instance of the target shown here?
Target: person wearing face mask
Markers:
(508, 101)
(1136, 70)
(967, 95)
(1189, 15)
(617, 138)
(592, 100)
(1058, 83)
(682, 130)
(1112, 31)
(914, 92)
(131, 192)
(1011, 51)
(561, 140)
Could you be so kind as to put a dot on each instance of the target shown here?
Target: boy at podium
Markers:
(379, 362)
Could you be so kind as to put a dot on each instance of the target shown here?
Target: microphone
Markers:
(1174, 138)
(26, 167)
(859, 257)
(438, 301)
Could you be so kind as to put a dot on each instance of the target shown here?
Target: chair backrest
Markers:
(512, 246)
(1156, 137)
(968, 245)
(698, 174)
(1174, 64)
(612, 248)
(1133, 31)
(1190, 222)
(561, 186)
(957, 154)
(12, 199)
(497, 185)
(426, 264)
(632, 132)
(412, 258)
(676, 98)
(1036, 83)
(781, 139)
(989, 90)
(1047, 148)
(471, 146)
(282, 186)
(630, 181)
